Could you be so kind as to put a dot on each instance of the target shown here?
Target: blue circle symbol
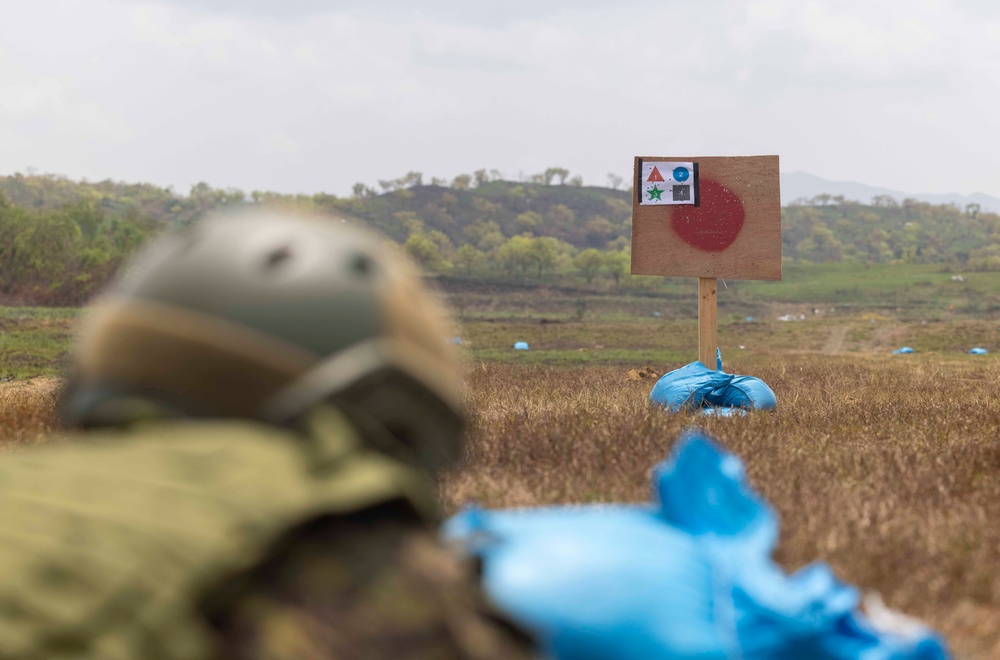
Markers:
(681, 174)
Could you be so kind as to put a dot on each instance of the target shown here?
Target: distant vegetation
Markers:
(60, 240)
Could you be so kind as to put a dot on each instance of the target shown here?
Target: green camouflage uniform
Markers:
(230, 539)
(370, 586)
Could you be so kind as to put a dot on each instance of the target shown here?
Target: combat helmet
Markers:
(265, 315)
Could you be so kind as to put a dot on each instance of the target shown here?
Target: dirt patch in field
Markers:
(835, 342)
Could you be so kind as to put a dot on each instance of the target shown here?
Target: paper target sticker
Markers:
(669, 183)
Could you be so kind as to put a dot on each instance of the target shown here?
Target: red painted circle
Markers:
(715, 223)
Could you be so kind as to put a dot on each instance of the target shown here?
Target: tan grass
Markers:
(889, 470)
(27, 410)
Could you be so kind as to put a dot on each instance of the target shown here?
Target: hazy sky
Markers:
(310, 96)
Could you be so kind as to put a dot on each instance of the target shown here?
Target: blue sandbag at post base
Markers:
(688, 575)
(905, 350)
(696, 386)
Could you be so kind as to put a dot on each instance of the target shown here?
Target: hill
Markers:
(803, 186)
(60, 239)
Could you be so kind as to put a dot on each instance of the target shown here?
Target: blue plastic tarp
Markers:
(688, 575)
(520, 346)
(905, 350)
(696, 386)
(978, 351)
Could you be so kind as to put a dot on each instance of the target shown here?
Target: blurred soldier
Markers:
(265, 401)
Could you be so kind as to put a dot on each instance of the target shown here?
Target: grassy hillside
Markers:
(60, 240)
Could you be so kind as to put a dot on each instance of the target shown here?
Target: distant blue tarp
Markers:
(687, 576)
(520, 346)
(696, 386)
(905, 350)
(978, 351)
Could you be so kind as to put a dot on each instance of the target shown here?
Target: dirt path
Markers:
(835, 342)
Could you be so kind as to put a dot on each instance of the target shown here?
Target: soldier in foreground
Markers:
(264, 401)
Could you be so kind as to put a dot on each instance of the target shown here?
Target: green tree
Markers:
(527, 221)
(542, 253)
(491, 240)
(485, 209)
(598, 231)
(560, 217)
(589, 262)
(514, 256)
(423, 250)
(411, 180)
(617, 264)
(360, 191)
(555, 173)
(409, 221)
(821, 245)
(441, 240)
(468, 258)
(474, 233)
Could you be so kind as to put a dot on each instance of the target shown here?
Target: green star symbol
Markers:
(654, 193)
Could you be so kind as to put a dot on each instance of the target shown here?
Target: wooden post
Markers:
(707, 217)
(708, 338)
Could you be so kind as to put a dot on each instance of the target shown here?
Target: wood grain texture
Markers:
(755, 254)
(708, 338)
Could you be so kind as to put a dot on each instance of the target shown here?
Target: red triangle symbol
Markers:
(655, 175)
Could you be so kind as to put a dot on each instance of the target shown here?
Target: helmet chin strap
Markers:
(371, 384)
(335, 374)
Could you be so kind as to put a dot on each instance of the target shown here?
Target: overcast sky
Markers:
(312, 95)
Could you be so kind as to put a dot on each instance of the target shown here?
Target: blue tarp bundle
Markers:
(905, 350)
(687, 576)
(696, 386)
(520, 346)
(978, 351)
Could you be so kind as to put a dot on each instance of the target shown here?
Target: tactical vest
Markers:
(108, 542)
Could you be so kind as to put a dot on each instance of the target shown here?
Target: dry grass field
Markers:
(887, 467)
(27, 410)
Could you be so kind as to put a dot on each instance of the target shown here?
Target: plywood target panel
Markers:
(707, 217)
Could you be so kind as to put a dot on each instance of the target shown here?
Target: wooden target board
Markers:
(707, 217)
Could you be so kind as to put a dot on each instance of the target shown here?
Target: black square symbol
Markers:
(682, 193)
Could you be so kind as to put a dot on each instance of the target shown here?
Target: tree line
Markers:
(828, 228)
(61, 240)
(62, 256)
